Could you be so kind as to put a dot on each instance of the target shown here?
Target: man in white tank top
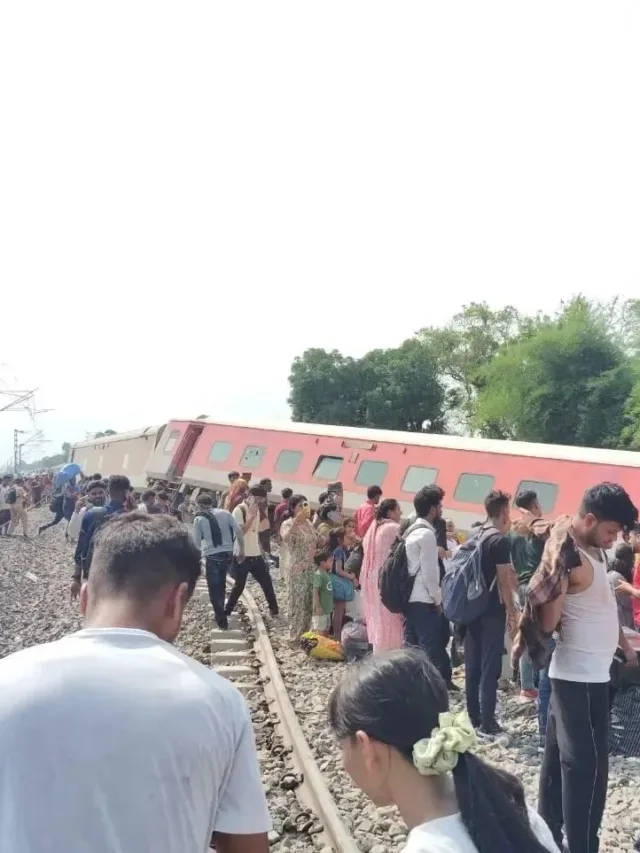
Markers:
(575, 768)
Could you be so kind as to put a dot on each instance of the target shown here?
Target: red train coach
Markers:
(307, 457)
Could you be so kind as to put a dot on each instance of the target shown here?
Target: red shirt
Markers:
(364, 517)
(280, 510)
(636, 601)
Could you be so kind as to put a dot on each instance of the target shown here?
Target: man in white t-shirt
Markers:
(111, 739)
(574, 772)
(247, 517)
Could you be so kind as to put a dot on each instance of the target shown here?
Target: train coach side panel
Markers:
(307, 462)
(124, 453)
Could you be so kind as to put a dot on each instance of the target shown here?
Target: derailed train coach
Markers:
(124, 453)
(193, 454)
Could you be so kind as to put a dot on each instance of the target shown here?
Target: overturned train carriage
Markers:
(307, 457)
(125, 453)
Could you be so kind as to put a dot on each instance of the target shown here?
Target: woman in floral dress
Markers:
(299, 542)
(384, 629)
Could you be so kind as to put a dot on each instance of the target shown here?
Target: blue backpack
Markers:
(465, 594)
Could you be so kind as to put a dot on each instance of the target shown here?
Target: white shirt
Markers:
(452, 546)
(112, 741)
(588, 633)
(422, 560)
(73, 528)
(3, 495)
(448, 835)
(251, 539)
(142, 507)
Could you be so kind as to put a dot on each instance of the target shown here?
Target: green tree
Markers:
(464, 346)
(565, 381)
(402, 389)
(387, 389)
(325, 388)
(48, 461)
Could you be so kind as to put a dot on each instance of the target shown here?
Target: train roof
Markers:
(592, 455)
(119, 436)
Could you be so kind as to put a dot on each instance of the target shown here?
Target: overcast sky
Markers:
(191, 194)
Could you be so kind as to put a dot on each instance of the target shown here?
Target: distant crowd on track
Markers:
(112, 740)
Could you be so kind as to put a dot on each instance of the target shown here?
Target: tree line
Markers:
(46, 462)
(571, 377)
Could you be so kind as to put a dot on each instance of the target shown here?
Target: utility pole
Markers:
(17, 449)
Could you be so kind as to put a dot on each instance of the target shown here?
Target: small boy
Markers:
(322, 593)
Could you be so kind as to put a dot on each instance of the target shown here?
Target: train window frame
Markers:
(229, 446)
(408, 491)
(534, 485)
(172, 441)
(323, 458)
(485, 491)
(288, 469)
(252, 463)
(377, 480)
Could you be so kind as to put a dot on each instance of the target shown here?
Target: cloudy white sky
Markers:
(193, 193)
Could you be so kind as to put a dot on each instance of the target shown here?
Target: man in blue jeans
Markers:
(484, 640)
(423, 617)
(215, 532)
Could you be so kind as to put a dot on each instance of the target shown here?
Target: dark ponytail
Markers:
(385, 507)
(396, 699)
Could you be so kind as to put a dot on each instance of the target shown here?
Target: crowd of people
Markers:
(552, 592)
(17, 495)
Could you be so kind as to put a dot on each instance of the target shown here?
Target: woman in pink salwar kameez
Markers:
(385, 629)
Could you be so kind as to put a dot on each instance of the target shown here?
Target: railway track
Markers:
(244, 655)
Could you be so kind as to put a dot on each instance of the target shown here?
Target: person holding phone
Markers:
(299, 543)
(247, 517)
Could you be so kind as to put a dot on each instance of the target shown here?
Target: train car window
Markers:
(252, 456)
(172, 440)
(473, 488)
(328, 467)
(547, 493)
(288, 461)
(220, 451)
(371, 473)
(417, 477)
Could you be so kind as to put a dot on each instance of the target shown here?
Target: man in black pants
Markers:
(247, 517)
(484, 639)
(424, 622)
(216, 533)
(575, 768)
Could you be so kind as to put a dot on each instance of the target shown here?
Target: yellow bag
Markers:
(319, 647)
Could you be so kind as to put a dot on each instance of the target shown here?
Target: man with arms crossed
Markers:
(575, 768)
(111, 739)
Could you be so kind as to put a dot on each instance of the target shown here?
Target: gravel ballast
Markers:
(310, 682)
(35, 608)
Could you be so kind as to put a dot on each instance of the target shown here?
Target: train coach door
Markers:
(184, 451)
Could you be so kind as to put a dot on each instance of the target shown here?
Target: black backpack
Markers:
(101, 515)
(395, 582)
(12, 496)
(56, 503)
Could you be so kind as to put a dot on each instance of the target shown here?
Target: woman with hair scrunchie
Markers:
(403, 747)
